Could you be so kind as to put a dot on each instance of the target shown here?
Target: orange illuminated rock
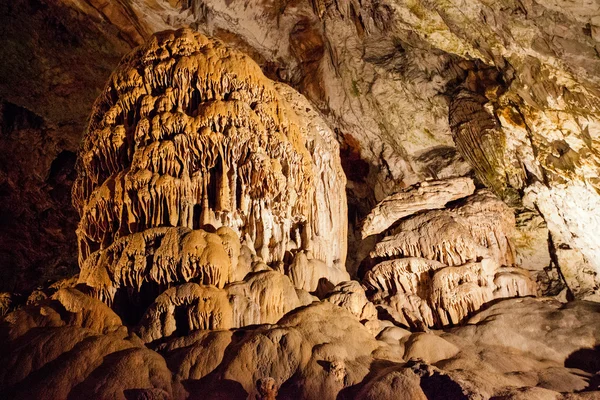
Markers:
(187, 137)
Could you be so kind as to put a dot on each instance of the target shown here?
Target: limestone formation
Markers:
(537, 150)
(266, 389)
(189, 136)
(571, 215)
(320, 351)
(435, 235)
(161, 256)
(263, 297)
(479, 138)
(444, 265)
(214, 224)
(401, 275)
(351, 296)
(198, 307)
(428, 195)
(429, 348)
(532, 253)
(400, 383)
(411, 90)
(329, 210)
(482, 226)
(5, 303)
(492, 223)
(307, 274)
(67, 307)
(212, 146)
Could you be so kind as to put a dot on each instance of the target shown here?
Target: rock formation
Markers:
(429, 195)
(218, 257)
(188, 136)
(517, 345)
(441, 266)
(410, 90)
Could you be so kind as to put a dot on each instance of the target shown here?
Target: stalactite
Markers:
(435, 235)
(491, 222)
(163, 256)
(205, 307)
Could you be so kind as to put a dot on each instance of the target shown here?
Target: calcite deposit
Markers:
(413, 91)
(301, 200)
(429, 195)
(517, 346)
(438, 267)
(188, 137)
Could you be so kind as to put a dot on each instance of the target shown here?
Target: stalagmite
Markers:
(189, 137)
(401, 275)
(263, 297)
(329, 227)
(351, 296)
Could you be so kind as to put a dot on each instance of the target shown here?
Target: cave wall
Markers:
(37, 239)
